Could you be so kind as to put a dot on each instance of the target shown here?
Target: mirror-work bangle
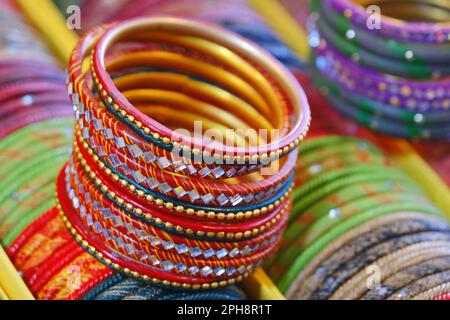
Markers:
(181, 221)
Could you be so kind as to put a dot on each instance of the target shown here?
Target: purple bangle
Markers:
(423, 32)
(401, 92)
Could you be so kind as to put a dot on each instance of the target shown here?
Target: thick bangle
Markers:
(412, 130)
(411, 256)
(404, 115)
(401, 223)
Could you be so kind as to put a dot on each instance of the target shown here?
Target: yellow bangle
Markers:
(184, 87)
(226, 57)
(206, 70)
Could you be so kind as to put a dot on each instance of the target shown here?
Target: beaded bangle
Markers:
(191, 29)
(424, 95)
(123, 197)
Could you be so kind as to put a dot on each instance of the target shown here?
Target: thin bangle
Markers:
(394, 28)
(410, 69)
(165, 133)
(380, 45)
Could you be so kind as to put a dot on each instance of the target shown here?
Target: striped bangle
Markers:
(122, 195)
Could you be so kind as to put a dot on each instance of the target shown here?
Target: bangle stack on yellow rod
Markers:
(181, 207)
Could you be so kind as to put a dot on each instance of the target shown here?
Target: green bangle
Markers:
(391, 48)
(26, 221)
(326, 223)
(404, 115)
(33, 168)
(329, 182)
(63, 124)
(306, 255)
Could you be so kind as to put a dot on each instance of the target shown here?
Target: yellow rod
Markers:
(48, 20)
(284, 24)
(10, 281)
(3, 295)
(260, 286)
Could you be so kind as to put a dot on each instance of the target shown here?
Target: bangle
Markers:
(436, 261)
(350, 216)
(412, 69)
(369, 76)
(423, 32)
(379, 227)
(415, 290)
(171, 25)
(412, 256)
(380, 109)
(416, 129)
(128, 201)
(388, 47)
(404, 250)
(424, 95)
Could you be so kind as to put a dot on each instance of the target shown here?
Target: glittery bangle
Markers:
(399, 280)
(422, 95)
(404, 260)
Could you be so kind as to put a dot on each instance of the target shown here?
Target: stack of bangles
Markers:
(360, 229)
(388, 66)
(166, 205)
(35, 125)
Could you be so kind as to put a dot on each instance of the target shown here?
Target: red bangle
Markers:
(25, 235)
(294, 93)
(138, 209)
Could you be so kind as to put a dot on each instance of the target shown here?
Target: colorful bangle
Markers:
(121, 196)
(410, 69)
(421, 32)
(284, 145)
(403, 50)
(382, 87)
